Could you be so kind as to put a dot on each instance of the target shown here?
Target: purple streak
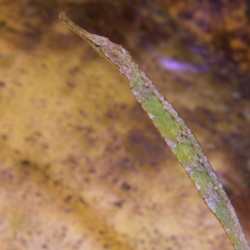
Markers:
(175, 65)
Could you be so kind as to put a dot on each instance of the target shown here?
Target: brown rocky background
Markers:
(81, 165)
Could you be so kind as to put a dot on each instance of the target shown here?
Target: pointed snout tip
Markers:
(62, 16)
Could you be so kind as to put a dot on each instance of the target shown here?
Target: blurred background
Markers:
(81, 165)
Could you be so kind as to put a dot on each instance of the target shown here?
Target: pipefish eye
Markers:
(97, 46)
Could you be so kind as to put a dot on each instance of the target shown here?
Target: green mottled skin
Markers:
(175, 132)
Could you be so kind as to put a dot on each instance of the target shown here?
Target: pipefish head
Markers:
(102, 45)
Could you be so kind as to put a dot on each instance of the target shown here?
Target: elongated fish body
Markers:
(175, 132)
